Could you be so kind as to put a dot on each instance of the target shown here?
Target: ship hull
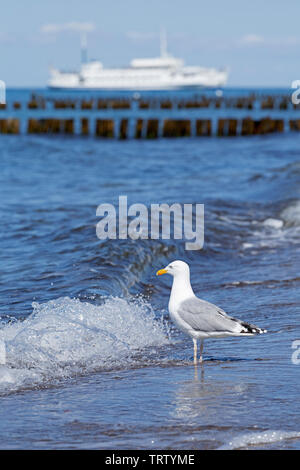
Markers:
(64, 86)
(94, 77)
(95, 88)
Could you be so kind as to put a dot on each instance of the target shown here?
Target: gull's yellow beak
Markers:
(161, 271)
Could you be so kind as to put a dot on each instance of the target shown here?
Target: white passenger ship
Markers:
(159, 73)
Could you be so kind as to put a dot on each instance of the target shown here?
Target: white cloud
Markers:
(81, 27)
(270, 42)
(252, 39)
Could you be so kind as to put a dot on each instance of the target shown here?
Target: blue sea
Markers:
(89, 357)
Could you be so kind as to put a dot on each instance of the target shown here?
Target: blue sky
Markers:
(258, 40)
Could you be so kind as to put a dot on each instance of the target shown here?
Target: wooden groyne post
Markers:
(177, 128)
(105, 128)
(9, 126)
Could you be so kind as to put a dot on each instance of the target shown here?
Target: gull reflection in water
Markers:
(205, 398)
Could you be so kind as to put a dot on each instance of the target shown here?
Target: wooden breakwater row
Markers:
(150, 128)
(280, 102)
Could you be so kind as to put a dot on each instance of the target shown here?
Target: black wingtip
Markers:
(255, 330)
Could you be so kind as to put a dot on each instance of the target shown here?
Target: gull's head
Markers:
(176, 268)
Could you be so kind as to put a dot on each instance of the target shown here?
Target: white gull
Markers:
(196, 317)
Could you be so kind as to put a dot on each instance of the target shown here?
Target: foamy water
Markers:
(259, 438)
(273, 232)
(65, 337)
(291, 214)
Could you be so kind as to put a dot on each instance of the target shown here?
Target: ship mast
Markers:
(163, 43)
(83, 47)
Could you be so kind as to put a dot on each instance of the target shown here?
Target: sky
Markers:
(258, 40)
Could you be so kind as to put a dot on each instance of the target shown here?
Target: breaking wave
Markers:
(66, 337)
(291, 214)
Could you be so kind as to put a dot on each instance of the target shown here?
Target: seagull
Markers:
(196, 317)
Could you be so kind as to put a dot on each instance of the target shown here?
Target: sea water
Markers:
(88, 356)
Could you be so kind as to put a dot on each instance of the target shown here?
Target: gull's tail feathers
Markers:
(248, 328)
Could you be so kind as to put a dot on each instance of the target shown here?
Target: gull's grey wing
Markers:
(204, 316)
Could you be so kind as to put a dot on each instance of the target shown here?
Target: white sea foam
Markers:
(259, 438)
(273, 232)
(274, 223)
(291, 214)
(288, 217)
(247, 245)
(65, 337)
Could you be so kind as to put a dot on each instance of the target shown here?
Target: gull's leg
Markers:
(201, 351)
(195, 350)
